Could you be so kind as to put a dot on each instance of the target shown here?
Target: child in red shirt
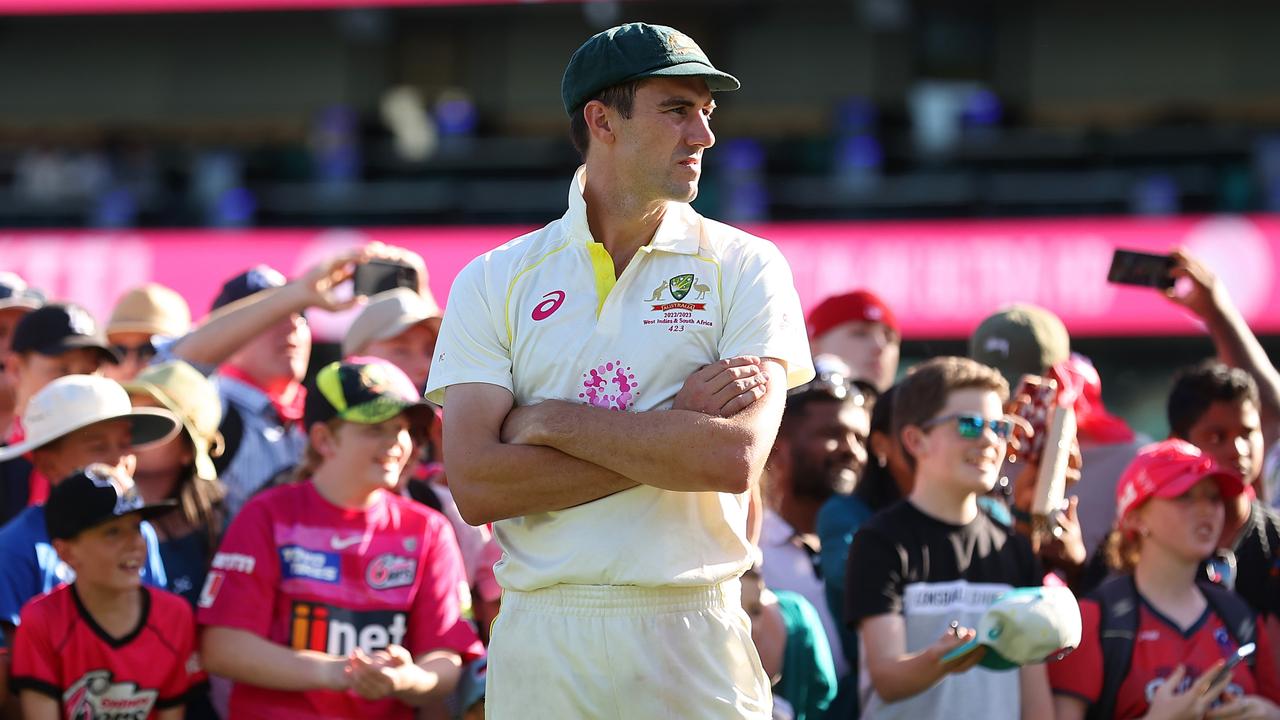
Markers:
(104, 646)
(1171, 512)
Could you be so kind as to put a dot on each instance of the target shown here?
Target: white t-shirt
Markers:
(543, 317)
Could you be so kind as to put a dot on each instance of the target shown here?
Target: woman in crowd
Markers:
(1155, 638)
(182, 470)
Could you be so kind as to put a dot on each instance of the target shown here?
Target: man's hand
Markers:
(1169, 704)
(949, 641)
(1202, 293)
(1249, 707)
(382, 674)
(524, 424)
(317, 287)
(724, 387)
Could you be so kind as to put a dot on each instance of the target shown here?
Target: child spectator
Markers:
(334, 597)
(792, 643)
(922, 572)
(16, 300)
(1153, 640)
(104, 646)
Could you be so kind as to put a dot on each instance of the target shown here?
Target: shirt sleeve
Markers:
(186, 673)
(35, 664)
(763, 315)
(1265, 672)
(239, 591)
(473, 345)
(18, 577)
(1079, 674)
(153, 572)
(436, 621)
(873, 578)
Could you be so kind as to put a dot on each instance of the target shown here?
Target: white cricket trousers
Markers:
(610, 652)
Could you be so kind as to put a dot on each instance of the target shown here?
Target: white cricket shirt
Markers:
(544, 317)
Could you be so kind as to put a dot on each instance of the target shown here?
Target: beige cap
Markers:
(152, 309)
(387, 315)
(190, 396)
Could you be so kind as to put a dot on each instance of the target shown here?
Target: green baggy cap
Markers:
(631, 52)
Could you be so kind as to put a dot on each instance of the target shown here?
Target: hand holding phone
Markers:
(379, 275)
(1142, 269)
(1245, 651)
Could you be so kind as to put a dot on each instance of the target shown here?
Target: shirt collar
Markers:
(679, 232)
(774, 530)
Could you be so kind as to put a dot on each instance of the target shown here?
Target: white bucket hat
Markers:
(73, 402)
(1025, 626)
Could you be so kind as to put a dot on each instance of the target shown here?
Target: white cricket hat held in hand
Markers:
(1026, 626)
(73, 402)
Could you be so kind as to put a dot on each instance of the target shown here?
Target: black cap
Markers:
(250, 282)
(57, 328)
(92, 496)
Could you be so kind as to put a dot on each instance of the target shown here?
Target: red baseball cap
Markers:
(857, 306)
(1168, 469)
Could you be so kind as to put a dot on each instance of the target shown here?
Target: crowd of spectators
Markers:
(302, 555)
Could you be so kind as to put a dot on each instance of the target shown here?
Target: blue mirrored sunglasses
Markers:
(970, 425)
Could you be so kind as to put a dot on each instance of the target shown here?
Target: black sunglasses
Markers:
(145, 351)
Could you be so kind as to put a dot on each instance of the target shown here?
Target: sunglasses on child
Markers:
(971, 425)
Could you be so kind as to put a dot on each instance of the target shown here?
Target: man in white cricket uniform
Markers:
(571, 360)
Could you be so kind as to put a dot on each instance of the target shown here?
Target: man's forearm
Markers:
(237, 324)
(499, 481)
(1237, 346)
(906, 676)
(436, 676)
(670, 449)
(242, 656)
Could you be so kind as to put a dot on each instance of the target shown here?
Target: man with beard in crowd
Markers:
(819, 451)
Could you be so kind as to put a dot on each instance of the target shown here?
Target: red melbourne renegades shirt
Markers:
(61, 652)
(1158, 648)
(301, 572)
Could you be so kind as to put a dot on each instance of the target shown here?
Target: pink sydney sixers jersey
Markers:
(61, 652)
(304, 573)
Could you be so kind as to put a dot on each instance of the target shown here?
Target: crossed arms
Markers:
(505, 461)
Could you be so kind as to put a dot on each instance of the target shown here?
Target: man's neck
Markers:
(801, 514)
(118, 612)
(1237, 514)
(1168, 582)
(336, 487)
(936, 500)
(618, 220)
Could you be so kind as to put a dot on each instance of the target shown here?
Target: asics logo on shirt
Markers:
(338, 631)
(551, 302)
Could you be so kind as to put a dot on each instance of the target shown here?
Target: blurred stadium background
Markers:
(952, 156)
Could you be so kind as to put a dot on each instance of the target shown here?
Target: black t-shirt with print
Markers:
(902, 546)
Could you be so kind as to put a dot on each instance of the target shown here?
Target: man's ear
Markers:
(323, 439)
(915, 441)
(67, 553)
(14, 365)
(599, 122)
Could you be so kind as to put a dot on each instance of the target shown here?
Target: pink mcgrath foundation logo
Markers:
(611, 386)
(551, 302)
